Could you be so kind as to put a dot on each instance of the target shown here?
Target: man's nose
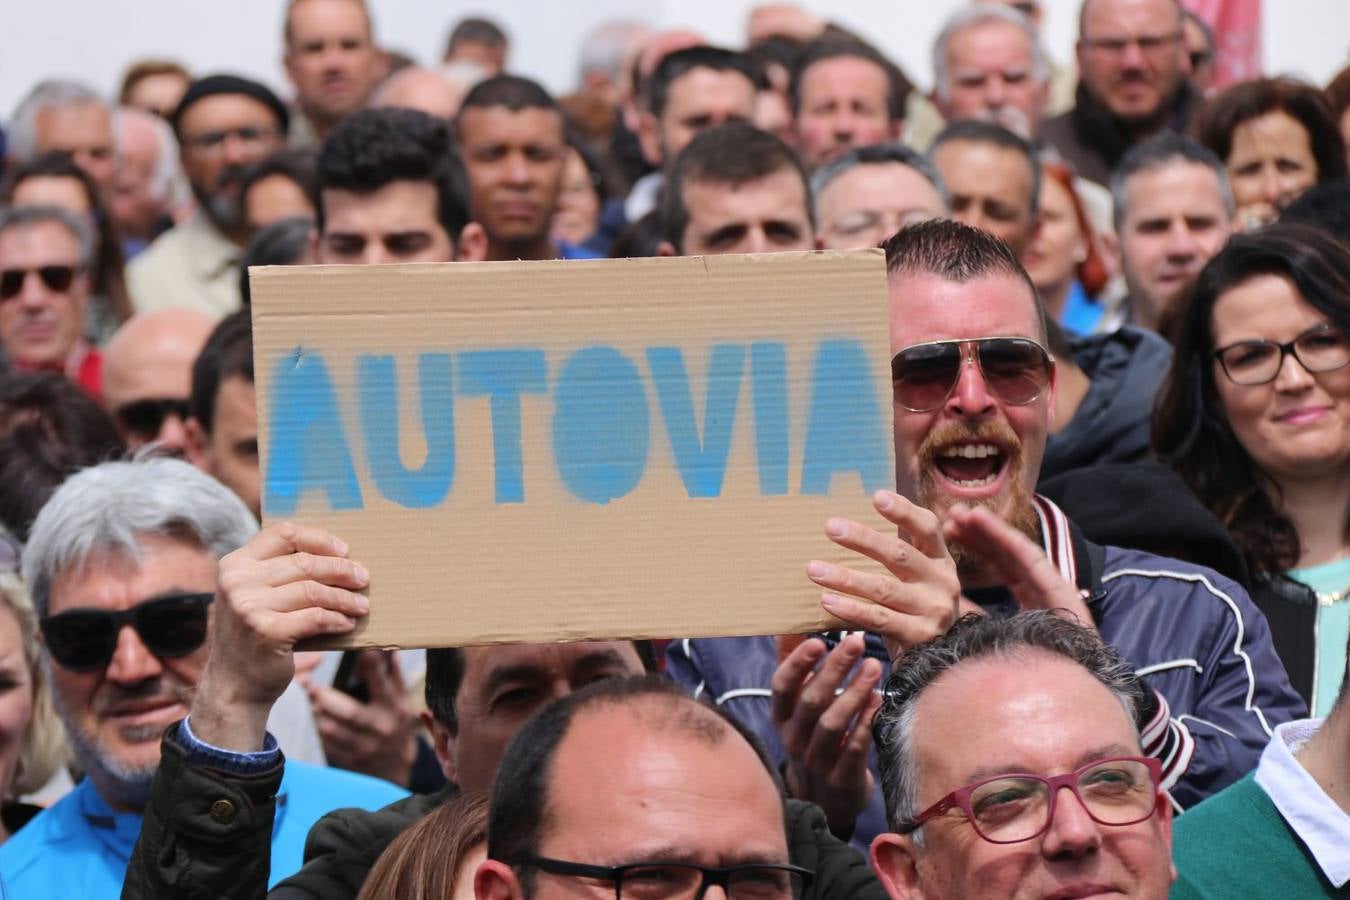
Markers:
(132, 661)
(995, 92)
(970, 396)
(1132, 56)
(1073, 832)
(172, 433)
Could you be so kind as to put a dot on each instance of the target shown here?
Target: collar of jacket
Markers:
(1079, 560)
(1098, 127)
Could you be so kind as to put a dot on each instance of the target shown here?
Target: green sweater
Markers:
(1236, 844)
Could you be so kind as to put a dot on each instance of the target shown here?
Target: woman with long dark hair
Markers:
(1255, 417)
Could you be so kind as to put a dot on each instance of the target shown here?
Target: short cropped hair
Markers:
(228, 352)
(107, 509)
(956, 252)
(373, 148)
(898, 86)
(510, 91)
(520, 791)
(674, 66)
(147, 68)
(971, 638)
(876, 155)
(1159, 152)
(733, 153)
(285, 242)
(983, 14)
(295, 164)
(474, 30)
(977, 131)
(78, 226)
(21, 132)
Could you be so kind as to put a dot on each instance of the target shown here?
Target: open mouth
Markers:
(970, 465)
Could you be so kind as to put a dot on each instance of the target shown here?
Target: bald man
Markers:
(147, 375)
(436, 92)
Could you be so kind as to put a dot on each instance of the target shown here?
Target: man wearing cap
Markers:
(224, 124)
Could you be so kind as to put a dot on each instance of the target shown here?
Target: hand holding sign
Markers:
(917, 601)
(288, 583)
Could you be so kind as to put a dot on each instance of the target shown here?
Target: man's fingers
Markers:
(335, 704)
(921, 524)
(383, 677)
(301, 595)
(898, 557)
(898, 628)
(304, 566)
(853, 753)
(883, 589)
(287, 629)
(820, 692)
(288, 537)
(1021, 564)
(791, 674)
(828, 737)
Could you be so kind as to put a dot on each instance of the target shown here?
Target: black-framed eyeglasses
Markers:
(1017, 370)
(145, 418)
(56, 278)
(685, 881)
(84, 640)
(213, 141)
(1009, 809)
(1321, 348)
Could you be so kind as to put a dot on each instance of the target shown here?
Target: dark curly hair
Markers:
(1191, 431)
(372, 148)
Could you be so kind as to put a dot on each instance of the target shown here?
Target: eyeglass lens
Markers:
(85, 639)
(1258, 362)
(676, 882)
(1017, 370)
(56, 278)
(1017, 808)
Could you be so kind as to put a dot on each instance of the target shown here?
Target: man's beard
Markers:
(223, 204)
(1022, 514)
(122, 784)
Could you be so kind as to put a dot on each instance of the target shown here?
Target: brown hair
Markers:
(424, 861)
(1338, 93)
(146, 68)
(1092, 273)
(1251, 99)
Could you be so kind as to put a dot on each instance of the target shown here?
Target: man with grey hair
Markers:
(45, 258)
(988, 63)
(67, 116)
(1174, 210)
(993, 177)
(869, 193)
(148, 187)
(607, 53)
(1041, 704)
(122, 565)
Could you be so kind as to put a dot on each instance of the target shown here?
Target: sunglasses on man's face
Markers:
(143, 419)
(84, 640)
(1016, 370)
(56, 278)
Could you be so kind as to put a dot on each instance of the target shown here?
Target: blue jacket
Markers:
(80, 847)
(1191, 634)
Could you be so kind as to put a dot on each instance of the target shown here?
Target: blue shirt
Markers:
(81, 848)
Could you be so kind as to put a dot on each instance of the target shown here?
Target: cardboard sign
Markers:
(550, 451)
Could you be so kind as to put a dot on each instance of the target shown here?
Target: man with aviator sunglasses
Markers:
(121, 563)
(45, 254)
(973, 391)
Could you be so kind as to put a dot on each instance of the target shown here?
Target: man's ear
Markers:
(649, 138)
(895, 862)
(666, 248)
(443, 742)
(197, 445)
(472, 245)
(495, 880)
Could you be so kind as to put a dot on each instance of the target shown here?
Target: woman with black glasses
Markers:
(1255, 417)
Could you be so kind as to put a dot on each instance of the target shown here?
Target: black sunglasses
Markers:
(84, 640)
(144, 418)
(56, 278)
(923, 376)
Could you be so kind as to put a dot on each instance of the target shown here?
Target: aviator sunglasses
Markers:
(56, 278)
(84, 640)
(1017, 370)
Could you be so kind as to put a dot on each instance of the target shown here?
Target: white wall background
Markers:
(94, 39)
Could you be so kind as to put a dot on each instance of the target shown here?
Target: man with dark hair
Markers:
(993, 177)
(1133, 68)
(736, 189)
(478, 41)
(282, 186)
(222, 425)
(974, 390)
(870, 193)
(844, 94)
(1173, 211)
(392, 189)
(512, 135)
(1284, 830)
(224, 124)
(691, 90)
(1325, 206)
(1040, 704)
(332, 61)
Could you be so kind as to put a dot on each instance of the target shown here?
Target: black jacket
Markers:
(186, 851)
(1291, 610)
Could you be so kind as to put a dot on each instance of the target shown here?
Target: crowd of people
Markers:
(1116, 559)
